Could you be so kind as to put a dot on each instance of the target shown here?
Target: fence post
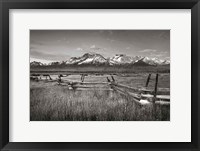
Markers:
(147, 82)
(113, 80)
(154, 97)
(59, 79)
(82, 77)
(50, 77)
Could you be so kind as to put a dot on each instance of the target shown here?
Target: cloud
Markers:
(48, 56)
(164, 52)
(127, 48)
(79, 49)
(148, 50)
(111, 40)
(158, 55)
(41, 60)
(93, 46)
(33, 42)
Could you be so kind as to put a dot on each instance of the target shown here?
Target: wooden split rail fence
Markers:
(141, 96)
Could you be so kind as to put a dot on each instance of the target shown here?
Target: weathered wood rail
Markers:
(141, 95)
(143, 92)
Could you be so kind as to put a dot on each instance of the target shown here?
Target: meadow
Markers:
(52, 102)
(101, 69)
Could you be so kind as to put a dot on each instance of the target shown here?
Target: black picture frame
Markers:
(5, 5)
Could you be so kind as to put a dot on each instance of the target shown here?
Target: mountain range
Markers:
(97, 59)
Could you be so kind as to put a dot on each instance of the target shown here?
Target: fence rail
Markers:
(141, 95)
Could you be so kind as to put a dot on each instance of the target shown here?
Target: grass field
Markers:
(52, 102)
(102, 69)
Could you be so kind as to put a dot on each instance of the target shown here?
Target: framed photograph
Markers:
(91, 75)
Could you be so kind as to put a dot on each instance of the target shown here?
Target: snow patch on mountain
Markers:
(36, 63)
(93, 59)
(123, 59)
(88, 58)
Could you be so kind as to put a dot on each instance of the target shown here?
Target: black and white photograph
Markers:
(99, 75)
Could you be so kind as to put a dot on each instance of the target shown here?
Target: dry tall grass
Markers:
(57, 103)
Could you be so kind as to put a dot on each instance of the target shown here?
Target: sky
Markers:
(60, 45)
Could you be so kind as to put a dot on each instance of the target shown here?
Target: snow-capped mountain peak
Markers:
(122, 59)
(118, 59)
(93, 59)
(87, 58)
(154, 61)
(36, 63)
